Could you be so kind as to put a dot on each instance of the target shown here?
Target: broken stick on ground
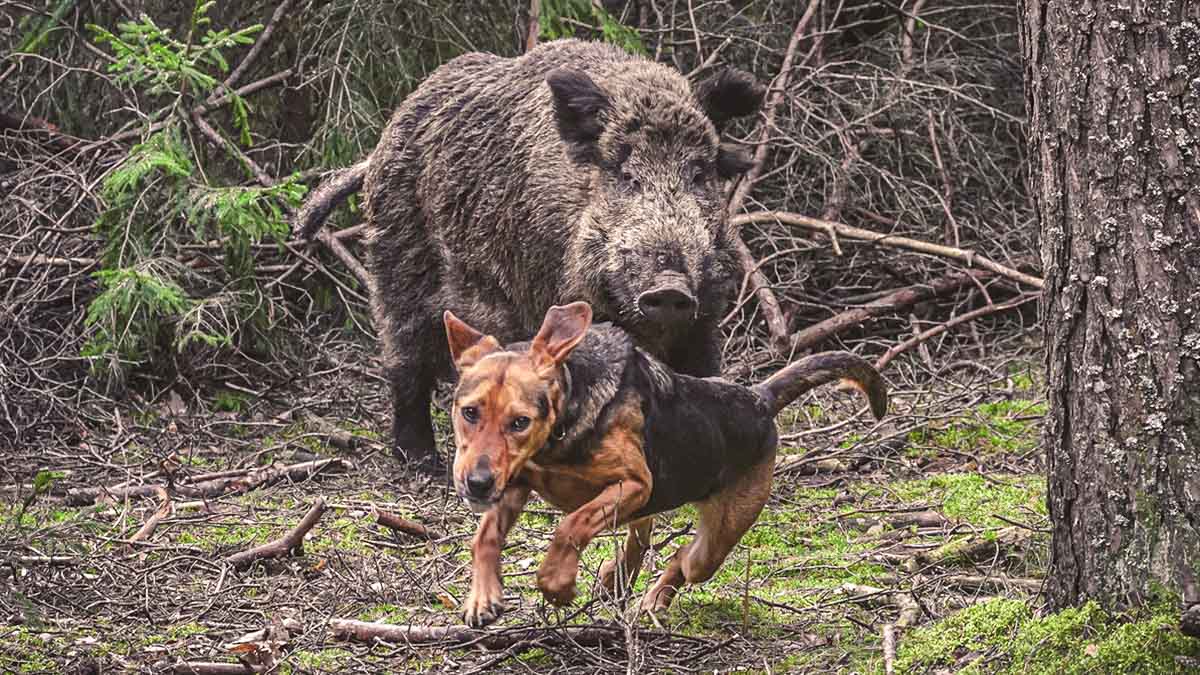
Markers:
(289, 544)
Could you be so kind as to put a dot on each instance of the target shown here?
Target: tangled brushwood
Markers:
(172, 351)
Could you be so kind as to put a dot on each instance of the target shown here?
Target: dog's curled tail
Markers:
(813, 371)
(333, 190)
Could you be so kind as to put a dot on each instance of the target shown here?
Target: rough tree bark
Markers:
(1112, 91)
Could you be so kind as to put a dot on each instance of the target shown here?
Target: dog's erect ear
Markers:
(561, 331)
(578, 104)
(467, 345)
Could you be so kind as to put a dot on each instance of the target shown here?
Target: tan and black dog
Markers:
(611, 436)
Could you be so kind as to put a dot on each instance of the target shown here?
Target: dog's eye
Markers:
(471, 414)
(520, 424)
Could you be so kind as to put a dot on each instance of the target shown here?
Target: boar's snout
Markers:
(670, 303)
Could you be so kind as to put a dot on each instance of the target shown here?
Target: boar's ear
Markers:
(728, 94)
(561, 331)
(578, 103)
(732, 162)
(467, 345)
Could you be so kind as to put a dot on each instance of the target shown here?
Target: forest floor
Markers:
(930, 527)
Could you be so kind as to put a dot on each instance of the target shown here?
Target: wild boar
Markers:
(503, 186)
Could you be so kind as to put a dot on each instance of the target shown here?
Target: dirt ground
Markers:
(851, 546)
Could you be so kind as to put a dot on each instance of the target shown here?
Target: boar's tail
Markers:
(812, 371)
(335, 189)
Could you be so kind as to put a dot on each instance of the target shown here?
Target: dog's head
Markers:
(507, 402)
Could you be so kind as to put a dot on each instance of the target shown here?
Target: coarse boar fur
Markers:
(503, 186)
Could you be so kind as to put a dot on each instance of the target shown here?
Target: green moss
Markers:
(213, 536)
(186, 630)
(1002, 426)
(344, 534)
(972, 498)
(386, 612)
(1003, 636)
(231, 401)
(328, 660)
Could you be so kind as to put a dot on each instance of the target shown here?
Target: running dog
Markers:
(608, 434)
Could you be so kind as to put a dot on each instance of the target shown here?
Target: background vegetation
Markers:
(159, 325)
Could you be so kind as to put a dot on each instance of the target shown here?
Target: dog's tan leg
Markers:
(612, 507)
(485, 602)
(724, 518)
(631, 556)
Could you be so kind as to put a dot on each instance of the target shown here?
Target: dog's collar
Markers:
(559, 432)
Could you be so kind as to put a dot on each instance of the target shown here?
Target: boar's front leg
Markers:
(485, 602)
(414, 352)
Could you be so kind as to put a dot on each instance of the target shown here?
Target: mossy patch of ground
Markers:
(966, 497)
(1006, 426)
(1003, 636)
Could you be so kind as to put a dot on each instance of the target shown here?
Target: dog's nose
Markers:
(667, 305)
(480, 482)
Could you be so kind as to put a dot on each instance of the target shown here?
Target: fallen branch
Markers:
(237, 483)
(997, 583)
(334, 435)
(291, 543)
(395, 522)
(870, 596)
(163, 511)
(971, 549)
(919, 338)
(210, 668)
(339, 250)
(971, 258)
(365, 631)
(897, 300)
(889, 648)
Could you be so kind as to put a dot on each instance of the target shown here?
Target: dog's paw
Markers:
(557, 586)
(657, 599)
(482, 606)
(606, 582)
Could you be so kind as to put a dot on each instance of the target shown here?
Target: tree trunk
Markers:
(1112, 92)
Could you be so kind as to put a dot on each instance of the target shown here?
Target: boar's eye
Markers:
(519, 424)
(471, 414)
(629, 181)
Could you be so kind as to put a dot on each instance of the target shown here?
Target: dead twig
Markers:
(971, 258)
(210, 668)
(889, 648)
(919, 338)
(889, 304)
(365, 631)
(970, 549)
(772, 311)
(163, 511)
(909, 608)
(395, 522)
(289, 544)
(239, 482)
